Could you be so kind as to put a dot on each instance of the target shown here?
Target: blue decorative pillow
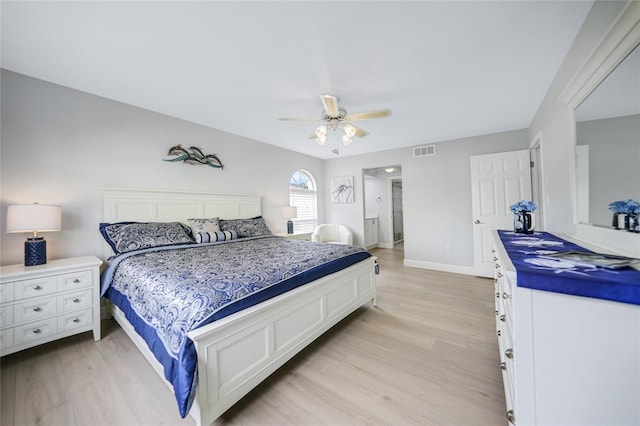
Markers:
(124, 237)
(211, 237)
(254, 227)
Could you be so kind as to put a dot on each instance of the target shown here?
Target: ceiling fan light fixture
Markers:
(321, 132)
(349, 130)
(321, 140)
(346, 140)
(389, 169)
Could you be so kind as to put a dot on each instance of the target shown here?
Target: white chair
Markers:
(330, 233)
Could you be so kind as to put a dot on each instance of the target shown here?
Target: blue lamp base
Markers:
(289, 227)
(35, 251)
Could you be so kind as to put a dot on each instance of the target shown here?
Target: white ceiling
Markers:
(446, 69)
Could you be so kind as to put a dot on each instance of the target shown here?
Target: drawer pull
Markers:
(76, 320)
(497, 265)
(37, 331)
(37, 309)
(495, 281)
(37, 287)
(500, 275)
(503, 317)
(76, 281)
(505, 296)
(76, 300)
(498, 333)
(509, 353)
(511, 417)
(497, 295)
(503, 366)
(493, 250)
(495, 312)
(495, 259)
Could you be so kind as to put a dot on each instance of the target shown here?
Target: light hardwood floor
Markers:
(426, 355)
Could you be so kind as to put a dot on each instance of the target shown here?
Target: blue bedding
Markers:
(165, 292)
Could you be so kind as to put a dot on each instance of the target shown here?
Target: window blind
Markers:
(307, 204)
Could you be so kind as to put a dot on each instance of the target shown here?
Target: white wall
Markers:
(555, 125)
(60, 146)
(436, 196)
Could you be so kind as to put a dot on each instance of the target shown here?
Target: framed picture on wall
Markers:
(342, 190)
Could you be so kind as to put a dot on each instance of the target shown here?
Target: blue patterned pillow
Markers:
(254, 227)
(124, 237)
(211, 237)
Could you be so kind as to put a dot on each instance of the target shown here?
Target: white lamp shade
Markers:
(290, 212)
(33, 218)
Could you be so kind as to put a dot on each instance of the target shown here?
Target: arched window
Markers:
(303, 195)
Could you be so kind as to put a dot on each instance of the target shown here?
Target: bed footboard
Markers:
(238, 352)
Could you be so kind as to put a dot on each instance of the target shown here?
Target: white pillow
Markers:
(209, 224)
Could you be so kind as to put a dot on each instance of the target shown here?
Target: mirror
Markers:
(608, 144)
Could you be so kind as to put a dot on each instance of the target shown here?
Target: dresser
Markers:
(42, 303)
(565, 359)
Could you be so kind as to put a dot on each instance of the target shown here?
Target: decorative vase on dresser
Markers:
(569, 351)
(39, 304)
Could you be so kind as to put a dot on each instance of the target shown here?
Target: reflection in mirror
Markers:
(608, 143)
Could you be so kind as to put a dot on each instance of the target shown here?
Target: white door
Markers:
(497, 181)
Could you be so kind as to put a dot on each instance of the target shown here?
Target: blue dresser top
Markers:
(537, 272)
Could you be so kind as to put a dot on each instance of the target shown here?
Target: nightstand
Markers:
(39, 304)
(306, 236)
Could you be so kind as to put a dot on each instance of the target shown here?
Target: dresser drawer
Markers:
(34, 309)
(75, 280)
(6, 338)
(36, 330)
(73, 301)
(73, 320)
(6, 292)
(6, 316)
(35, 287)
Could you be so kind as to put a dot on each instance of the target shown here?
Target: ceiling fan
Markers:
(338, 121)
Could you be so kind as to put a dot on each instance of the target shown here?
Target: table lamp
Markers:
(34, 218)
(290, 213)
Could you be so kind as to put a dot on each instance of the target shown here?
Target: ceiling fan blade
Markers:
(297, 119)
(368, 115)
(361, 133)
(330, 104)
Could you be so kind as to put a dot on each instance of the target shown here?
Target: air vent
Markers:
(424, 151)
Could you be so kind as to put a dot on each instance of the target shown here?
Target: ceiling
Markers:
(446, 69)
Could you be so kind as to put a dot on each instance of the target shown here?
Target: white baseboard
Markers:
(385, 245)
(444, 267)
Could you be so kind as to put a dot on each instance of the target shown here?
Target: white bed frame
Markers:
(238, 352)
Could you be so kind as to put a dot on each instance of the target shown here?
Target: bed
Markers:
(241, 342)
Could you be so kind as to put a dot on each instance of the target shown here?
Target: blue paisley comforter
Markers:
(167, 291)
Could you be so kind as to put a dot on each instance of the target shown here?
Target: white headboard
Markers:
(139, 205)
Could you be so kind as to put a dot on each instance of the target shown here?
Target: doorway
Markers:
(383, 220)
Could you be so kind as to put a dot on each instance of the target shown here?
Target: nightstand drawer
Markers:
(31, 310)
(6, 316)
(74, 320)
(6, 292)
(72, 301)
(35, 287)
(74, 280)
(36, 330)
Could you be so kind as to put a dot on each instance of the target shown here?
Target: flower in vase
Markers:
(523, 206)
(625, 206)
